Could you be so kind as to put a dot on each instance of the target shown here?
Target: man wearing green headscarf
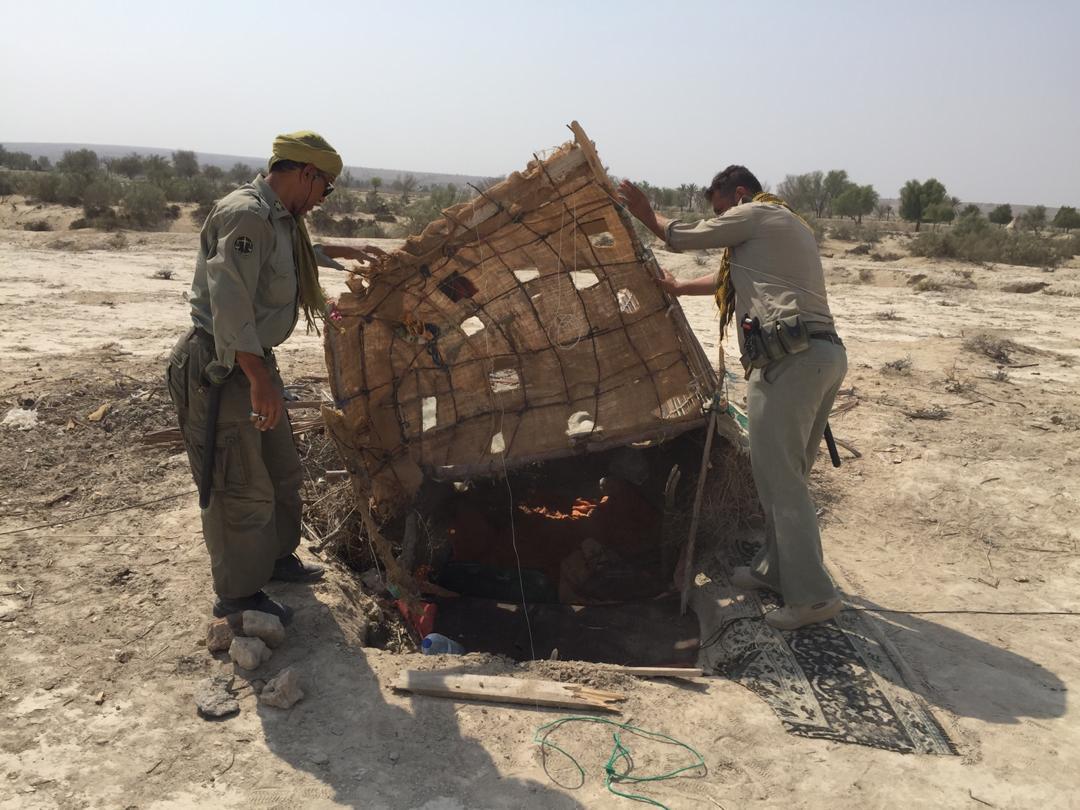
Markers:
(256, 270)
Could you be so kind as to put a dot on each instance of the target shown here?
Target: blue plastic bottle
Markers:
(437, 644)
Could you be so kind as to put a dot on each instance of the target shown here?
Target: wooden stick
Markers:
(659, 672)
(500, 689)
(688, 570)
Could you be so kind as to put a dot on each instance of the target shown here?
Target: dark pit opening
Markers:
(598, 537)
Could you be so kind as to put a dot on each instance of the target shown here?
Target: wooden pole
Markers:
(688, 568)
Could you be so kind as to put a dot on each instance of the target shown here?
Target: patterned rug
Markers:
(835, 680)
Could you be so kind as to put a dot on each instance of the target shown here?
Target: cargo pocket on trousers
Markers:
(176, 380)
(230, 466)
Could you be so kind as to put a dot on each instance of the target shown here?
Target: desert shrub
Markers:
(340, 202)
(144, 204)
(928, 285)
(106, 220)
(199, 215)
(845, 232)
(1000, 350)
(972, 242)
(196, 189)
(901, 366)
(37, 225)
(100, 195)
(888, 315)
(1024, 286)
(7, 184)
(370, 231)
(866, 275)
(165, 274)
(72, 188)
(44, 187)
(887, 256)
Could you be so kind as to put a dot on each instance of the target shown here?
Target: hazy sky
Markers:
(985, 96)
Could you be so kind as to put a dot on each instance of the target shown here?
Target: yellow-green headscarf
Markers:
(307, 147)
(725, 290)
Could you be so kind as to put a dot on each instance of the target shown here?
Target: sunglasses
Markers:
(329, 185)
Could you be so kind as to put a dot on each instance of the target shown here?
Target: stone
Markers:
(249, 653)
(266, 626)
(283, 690)
(219, 635)
(213, 698)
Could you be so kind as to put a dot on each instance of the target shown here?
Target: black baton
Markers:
(206, 479)
(830, 442)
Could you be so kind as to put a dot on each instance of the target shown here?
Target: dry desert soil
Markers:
(968, 521)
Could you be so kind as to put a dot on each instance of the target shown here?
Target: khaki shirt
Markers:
(245, 291)
(775, 266)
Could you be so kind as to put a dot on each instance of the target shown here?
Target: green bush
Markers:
(7, 184)
(974, 241)
(100, 195)
(144, 204)
(191, 189)
(199, 215)
(45, 187)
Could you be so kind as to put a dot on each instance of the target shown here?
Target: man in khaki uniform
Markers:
(771, 272)
(255, 271)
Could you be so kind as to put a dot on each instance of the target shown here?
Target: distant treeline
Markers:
(144, 191)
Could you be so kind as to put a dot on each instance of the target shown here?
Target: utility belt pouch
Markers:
(792, 335)
(764, 345)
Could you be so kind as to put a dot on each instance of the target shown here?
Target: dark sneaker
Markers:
(257, 601)
(293, 569)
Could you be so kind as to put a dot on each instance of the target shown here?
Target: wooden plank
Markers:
(500, 689)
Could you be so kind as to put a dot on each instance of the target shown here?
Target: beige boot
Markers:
(791, 618)
(743, 578)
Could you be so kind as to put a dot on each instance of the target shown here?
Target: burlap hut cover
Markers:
(526, 325)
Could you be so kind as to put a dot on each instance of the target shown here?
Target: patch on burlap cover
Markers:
(527, 324)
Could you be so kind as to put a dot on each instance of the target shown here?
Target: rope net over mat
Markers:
(526, 325)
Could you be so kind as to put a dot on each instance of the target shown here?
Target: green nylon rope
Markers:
(619, 753)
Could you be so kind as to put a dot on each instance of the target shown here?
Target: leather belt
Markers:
(832, 337)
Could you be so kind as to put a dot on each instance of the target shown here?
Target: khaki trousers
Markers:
(254, 512)
(788, 404)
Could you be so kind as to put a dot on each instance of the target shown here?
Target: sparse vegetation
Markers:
(928, 285)
(144, 204)
(888, 315)
(973, 240)
(1000, 350)
(164, 274)
(1024, 286)
(901, 366)
(933, 413)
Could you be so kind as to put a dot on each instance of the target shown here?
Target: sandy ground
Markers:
(102, 621)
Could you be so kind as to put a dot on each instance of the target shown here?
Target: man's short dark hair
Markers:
(731, 178)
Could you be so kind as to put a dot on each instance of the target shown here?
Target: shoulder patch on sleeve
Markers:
(243, 245)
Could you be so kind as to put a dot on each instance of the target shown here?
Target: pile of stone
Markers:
(249, 638)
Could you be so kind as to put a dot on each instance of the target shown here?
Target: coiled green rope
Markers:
(619, 753)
